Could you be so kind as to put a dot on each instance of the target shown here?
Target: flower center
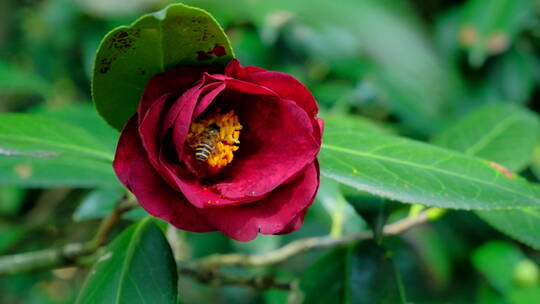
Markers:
(215, 138)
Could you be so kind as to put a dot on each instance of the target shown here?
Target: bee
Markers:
(205, 143)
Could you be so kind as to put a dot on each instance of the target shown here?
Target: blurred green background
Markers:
(411, 66)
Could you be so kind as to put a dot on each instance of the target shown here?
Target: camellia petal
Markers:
(276, 152)
(160, 200)
(282, 84)
(152, 192)
(127, 149)
(150, 128)
(270, 215)
(175, 81)
(264, 174)
(183, 122)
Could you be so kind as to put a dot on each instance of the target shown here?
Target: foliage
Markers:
(427, 105)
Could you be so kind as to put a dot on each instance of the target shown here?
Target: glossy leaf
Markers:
(138, 267)
(374, 277)
(503, 133)
(344, 220)
(437, 256)
(522, 224)
(515, 276)
(98, 204)
(487, 295)
(36, 151)
(14, 80)
(373, 209)
(358, 274)
(512, 77)
(11, 234)
(36, 136)
(56, 171)
(505, 255)
(129, 56)
(325, 281)
(507, 135)
(12, 199)
(84, 116)
(414, 172)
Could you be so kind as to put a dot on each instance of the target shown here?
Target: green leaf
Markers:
(522, 224)
(344, 220)
(490, 29)
(36, 151)
(487, 295)
(512, 77)
(56, 171)
(504, 133)
(11, 234)
(374, 277)
(363, 273)
(138, 267)
(98, 204)
(84, 116)
(36, 136)
(14, 80)
(497, 260)
(509, 271)
(136, 214)
(414, 172)
(373, 209)
(420, 90)
(324, 281)
(507, 135)
(12, 199)
(525, 295)
(129, 56)
(436, 256)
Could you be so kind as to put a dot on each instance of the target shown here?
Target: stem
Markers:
(43, 259)
(303, 245)
(216, 277)
(204, 270)
(64, 255)
(109, 222)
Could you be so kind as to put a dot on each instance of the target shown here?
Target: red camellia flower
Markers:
(230, 150)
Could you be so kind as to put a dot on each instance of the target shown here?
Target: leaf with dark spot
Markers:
(129, 56)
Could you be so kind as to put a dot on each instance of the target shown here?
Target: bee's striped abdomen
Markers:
(203, 151)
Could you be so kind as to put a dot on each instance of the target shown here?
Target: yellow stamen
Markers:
(227, 141)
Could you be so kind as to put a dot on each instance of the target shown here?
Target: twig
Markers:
(206, 270)
(64, 255)
(303, 245)
(109, 222)
(215, 277)
(43, 259)
(203, 270)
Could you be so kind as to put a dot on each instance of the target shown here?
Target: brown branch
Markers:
(204, 270)
(215, 277)
(68, 254)
(303, 245)
(43, 259)
(110, 221)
